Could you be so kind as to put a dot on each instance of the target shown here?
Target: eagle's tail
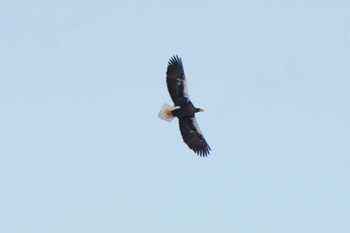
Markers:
(165, 112)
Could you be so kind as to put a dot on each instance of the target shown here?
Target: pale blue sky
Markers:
(82, 149)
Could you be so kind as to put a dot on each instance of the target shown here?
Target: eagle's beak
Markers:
(201, 110)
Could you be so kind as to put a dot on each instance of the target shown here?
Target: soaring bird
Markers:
(183, 108)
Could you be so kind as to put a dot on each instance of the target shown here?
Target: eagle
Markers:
(183, 108)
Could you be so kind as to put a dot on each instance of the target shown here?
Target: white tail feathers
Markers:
(165, 112)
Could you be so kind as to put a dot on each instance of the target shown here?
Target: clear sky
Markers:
(82, 149)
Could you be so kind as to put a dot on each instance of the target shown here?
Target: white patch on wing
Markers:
(195, 124)
(184, 83)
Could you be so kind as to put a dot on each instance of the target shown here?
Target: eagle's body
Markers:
(183, 108)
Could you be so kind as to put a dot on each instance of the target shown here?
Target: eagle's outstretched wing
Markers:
(176, 81)
(193, 137)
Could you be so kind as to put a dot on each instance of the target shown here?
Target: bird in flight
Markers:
(183, 108)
